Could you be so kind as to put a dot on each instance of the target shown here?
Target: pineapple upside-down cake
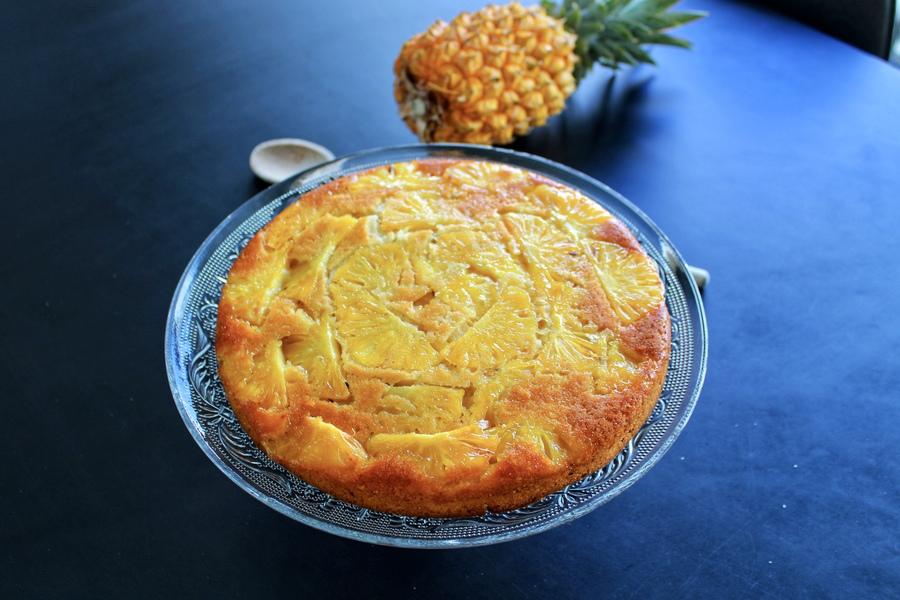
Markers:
(443, 337)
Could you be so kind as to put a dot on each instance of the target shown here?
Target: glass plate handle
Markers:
(701, 276)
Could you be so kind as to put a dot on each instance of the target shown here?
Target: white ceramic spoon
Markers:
(276, 160)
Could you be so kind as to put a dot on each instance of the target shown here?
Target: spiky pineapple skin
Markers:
(443, 336)
(486, 76)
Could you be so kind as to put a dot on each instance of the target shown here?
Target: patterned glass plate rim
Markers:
(192, 371)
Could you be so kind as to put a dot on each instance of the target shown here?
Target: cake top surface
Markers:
(434, 322)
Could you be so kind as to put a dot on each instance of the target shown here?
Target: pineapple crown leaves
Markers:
(613, 32)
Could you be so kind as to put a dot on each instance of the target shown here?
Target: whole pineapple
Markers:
(488, 76)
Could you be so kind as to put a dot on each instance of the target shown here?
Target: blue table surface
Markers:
(770, 154)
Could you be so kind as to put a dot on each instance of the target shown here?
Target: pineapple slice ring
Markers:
(442, 337)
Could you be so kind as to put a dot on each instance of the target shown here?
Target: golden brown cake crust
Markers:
(442, 337)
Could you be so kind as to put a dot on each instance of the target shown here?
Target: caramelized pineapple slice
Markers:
(505, 332)
(417, 210)
(317, 353)
(470, 446)
(362, 288)
(572, 350)
(466, 268)
(547, 249)
(400, 177)
(421, 408)
(479, 175)
(479, 253)
(377, 269)
(308, 260)
(292, 221)
(535, 436)
(469, 294)
(630, 280)
(570, 210)
(613, 367)
(265, 385)
(509, 376)
(285, 318)
(375, 337)
(254, 280)
(321, 445)
(568, 345)
(362, 233)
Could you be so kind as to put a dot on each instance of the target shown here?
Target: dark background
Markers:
(770, 155)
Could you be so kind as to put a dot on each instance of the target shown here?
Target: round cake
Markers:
(443, 337)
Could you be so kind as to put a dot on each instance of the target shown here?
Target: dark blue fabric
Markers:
(866, 24)
(770, 154)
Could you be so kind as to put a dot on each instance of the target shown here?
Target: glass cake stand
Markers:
(192, 370)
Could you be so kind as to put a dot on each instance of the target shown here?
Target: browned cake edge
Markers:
(521, 491)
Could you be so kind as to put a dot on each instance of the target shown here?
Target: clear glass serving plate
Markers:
(192, 370)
